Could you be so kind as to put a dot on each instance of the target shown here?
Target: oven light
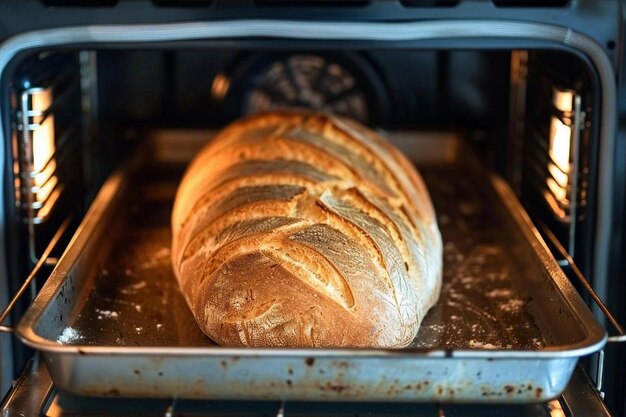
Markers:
(559, 176)
(559, 193)
(554, 205)
(41, 100)
(42, 177)
(220, 87)
(560, 137)
(44, 211)
(40, 103)
(563, 100)
(556, 410)
(44, 192)
(43, 144)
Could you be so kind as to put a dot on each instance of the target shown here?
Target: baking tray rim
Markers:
(595, 339)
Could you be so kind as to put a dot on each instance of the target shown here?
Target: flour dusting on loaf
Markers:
(301, 229)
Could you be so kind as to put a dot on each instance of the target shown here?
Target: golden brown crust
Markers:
(303, 229)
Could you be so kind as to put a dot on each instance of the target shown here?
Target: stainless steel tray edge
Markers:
(468, 375)
(596, 334)
(56, 284)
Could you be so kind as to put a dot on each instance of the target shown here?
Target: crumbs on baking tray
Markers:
(69, 335)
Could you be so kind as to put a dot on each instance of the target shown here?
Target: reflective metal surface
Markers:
(30, 393)
(509, 327)
(33, 395)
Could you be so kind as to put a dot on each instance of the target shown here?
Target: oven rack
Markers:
(44, 260)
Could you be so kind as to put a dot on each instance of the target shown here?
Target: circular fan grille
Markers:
(307, 81)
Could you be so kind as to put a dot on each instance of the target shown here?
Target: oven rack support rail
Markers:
(29, 281)
(567, 261)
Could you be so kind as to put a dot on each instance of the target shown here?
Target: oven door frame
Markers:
(469, 34)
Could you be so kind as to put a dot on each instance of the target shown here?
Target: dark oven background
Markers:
(388, 89)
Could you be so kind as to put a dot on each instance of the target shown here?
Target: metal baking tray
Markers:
(509, 326)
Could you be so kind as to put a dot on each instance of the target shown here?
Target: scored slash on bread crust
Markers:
(301, 229)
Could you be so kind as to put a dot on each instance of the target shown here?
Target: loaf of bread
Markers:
(300, 229)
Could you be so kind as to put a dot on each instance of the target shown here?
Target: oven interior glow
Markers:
(560, 138)
(563, 100)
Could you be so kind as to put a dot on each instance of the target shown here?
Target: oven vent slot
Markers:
(182, 3)
(497, 3)
(79, 3)
(315, 3)
(531, 3)
(430, 3)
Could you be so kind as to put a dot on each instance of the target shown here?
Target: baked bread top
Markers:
(302, 229)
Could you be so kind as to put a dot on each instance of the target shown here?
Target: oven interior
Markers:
(530, 116)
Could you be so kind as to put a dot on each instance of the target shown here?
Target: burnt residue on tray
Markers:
(135, 300)
(483, 302)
